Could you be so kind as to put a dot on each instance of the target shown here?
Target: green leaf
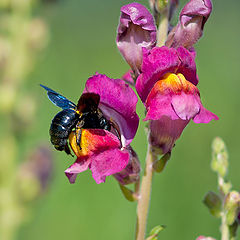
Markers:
(128, 194)
(155, 231)
(213, 203)
(159, 165)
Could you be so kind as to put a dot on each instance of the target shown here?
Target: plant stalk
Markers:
(163, 27)
(144, 196)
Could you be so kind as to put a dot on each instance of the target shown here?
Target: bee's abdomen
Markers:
(61, 127)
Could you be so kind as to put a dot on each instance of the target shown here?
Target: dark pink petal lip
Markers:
(205, 116)
(108, 163)
(77, 167)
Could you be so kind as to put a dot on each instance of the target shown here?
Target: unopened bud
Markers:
(213, 203)
(231, 206)
(130, 174)
(219, 157)
(191, 23)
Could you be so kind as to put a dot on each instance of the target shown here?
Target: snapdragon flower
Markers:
(104, 152)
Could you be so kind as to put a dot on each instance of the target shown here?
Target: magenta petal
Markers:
(160, 106)
(155, 64)
(77, 167)
(160, 61)
(118, 101)
(204, 116)
(107, 163)
(188, 65)
(185, 105)
(191, 23)
(128, 77)
(164, 132)
(136, 30)
(131, 173)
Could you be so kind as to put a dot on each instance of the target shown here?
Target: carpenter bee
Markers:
(85, 115)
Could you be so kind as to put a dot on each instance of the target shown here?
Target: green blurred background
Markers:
(82, 41)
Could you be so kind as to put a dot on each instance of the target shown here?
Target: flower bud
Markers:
(219, 162)
(213, 203)
(136, 30)
(131, 173)
(191, 23)
(231, 206)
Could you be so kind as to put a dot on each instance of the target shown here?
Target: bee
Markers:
(85, 115)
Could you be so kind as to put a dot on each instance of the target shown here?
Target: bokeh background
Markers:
(82, 41)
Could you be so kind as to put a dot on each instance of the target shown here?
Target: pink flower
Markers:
(102, 151)
(167, 87)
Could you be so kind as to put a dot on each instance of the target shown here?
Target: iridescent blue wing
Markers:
(58, 99)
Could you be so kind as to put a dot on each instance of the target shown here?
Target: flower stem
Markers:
(162, 27)
(144, 196)
(224, 228)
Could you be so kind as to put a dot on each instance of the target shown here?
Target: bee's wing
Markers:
(58, 99)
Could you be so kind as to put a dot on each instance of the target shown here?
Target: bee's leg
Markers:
(117, 131)
(78, 132)
(78, 137)
(67, 150)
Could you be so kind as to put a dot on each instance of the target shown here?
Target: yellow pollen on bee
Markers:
(84, 150)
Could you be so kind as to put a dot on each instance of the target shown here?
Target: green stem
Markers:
(224, 228)
(144, 196)
(162, 27)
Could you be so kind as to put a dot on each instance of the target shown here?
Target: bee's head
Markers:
(88, 102)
